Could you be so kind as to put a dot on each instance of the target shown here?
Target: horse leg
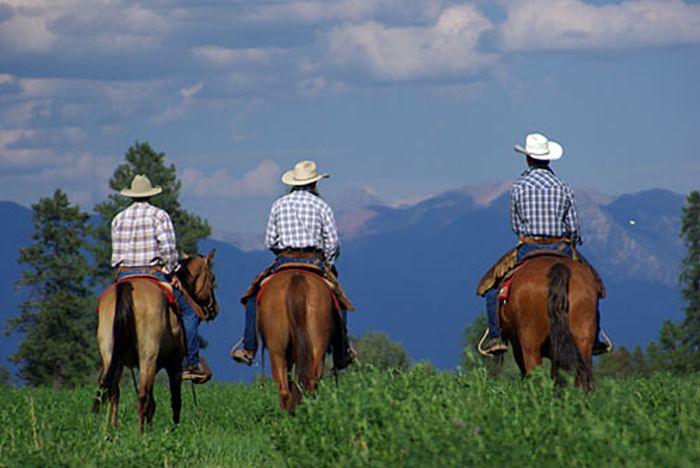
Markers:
(174, 371)
(280, 374)
(146, 404)
(113, 395)
(531, 359)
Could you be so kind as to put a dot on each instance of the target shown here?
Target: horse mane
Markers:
(301, 343)
(565, 354)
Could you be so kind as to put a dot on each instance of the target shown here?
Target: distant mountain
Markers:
(412, 271)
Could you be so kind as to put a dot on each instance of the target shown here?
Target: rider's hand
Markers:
(175, 281)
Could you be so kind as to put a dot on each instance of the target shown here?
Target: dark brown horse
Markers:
(551, 312)
(138, 328)
(296, 321)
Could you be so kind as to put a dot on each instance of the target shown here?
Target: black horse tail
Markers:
(564, 352)
(123, 333)
(301, 343)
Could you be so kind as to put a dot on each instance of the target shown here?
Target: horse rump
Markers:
(564, 352)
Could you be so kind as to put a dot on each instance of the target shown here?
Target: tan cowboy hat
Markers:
(141, 188)
(304, 173)
(537, 146)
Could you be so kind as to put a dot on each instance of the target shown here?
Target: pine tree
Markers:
(689, 279)
(58, 317)
(142, 159)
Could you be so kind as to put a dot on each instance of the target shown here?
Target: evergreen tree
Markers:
(58, 318)
(142, 159)
(689, 279)
(377, 349)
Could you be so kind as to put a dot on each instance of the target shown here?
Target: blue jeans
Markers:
(250, 333)
(491, 295)
(190, 320)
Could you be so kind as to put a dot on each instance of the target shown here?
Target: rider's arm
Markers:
(329, 231)
(167, 245)
(572, 220)
(514, 216)
(271, 234)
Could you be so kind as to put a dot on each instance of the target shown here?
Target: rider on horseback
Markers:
(543, 216)
(143, 243)
(300, 229)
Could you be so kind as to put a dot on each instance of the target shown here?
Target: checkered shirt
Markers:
(541, 204)
(143, 235)
(302, 219)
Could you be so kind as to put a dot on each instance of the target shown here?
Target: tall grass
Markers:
(415, 418)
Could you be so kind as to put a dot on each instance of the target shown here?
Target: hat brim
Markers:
(288, 178)
(555, 152)
(150, 193)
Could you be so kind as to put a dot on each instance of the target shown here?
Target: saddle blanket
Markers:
(165, 287)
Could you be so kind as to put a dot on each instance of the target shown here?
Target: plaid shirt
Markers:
(541, 204)
(302, 219)
(143, 235)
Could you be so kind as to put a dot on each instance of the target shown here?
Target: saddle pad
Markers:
(165, 287)
(504, 290)
(336, 304)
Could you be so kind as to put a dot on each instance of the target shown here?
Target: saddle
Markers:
(319, 269)
(165, 287)
(504, 268)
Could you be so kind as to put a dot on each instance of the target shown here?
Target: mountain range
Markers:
(412, 271)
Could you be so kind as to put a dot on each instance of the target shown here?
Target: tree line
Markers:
(69, 263)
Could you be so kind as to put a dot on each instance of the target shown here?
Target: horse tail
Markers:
(564, 352)
(123, 332)
(295, 302)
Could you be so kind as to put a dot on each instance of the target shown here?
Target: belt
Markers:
(542, 240)
(134, 268)
(305, 252)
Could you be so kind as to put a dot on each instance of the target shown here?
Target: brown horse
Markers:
(296, 320)
(138, 328)
(551, 312)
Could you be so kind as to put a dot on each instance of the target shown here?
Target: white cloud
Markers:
(575, 24)
(222, 56)
(261, 181)
(447, 47)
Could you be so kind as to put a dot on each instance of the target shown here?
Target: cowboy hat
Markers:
(537, 146)
(141, 188)
(304, 173)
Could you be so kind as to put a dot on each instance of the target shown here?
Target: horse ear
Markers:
(183, 255)
(210, 257)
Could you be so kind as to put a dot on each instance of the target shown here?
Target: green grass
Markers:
(414, 418)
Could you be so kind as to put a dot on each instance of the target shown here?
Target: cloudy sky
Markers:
(400, 98)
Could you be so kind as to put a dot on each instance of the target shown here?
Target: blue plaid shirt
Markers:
(302, 219)
(541, 204)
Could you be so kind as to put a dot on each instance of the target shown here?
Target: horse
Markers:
(551, 312)
(296, 320)
(137, 327)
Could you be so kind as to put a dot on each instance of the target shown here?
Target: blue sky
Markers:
(399, 98)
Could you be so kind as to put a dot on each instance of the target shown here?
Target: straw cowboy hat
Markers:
(537, 146)
(141, 188)
(304, 173)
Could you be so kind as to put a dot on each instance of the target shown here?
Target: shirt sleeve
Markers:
(331, 242)
(116, 247)
(572, 219)
(167, 244)
(271, 234)
(514, 216)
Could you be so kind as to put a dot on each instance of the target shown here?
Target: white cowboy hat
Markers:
(141, 188)
(304, 173)
(537, 146)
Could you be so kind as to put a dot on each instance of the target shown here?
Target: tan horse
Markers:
(137, 328)
(551, 312)
(296, 320)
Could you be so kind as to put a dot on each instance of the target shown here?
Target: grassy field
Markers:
(415, 418)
